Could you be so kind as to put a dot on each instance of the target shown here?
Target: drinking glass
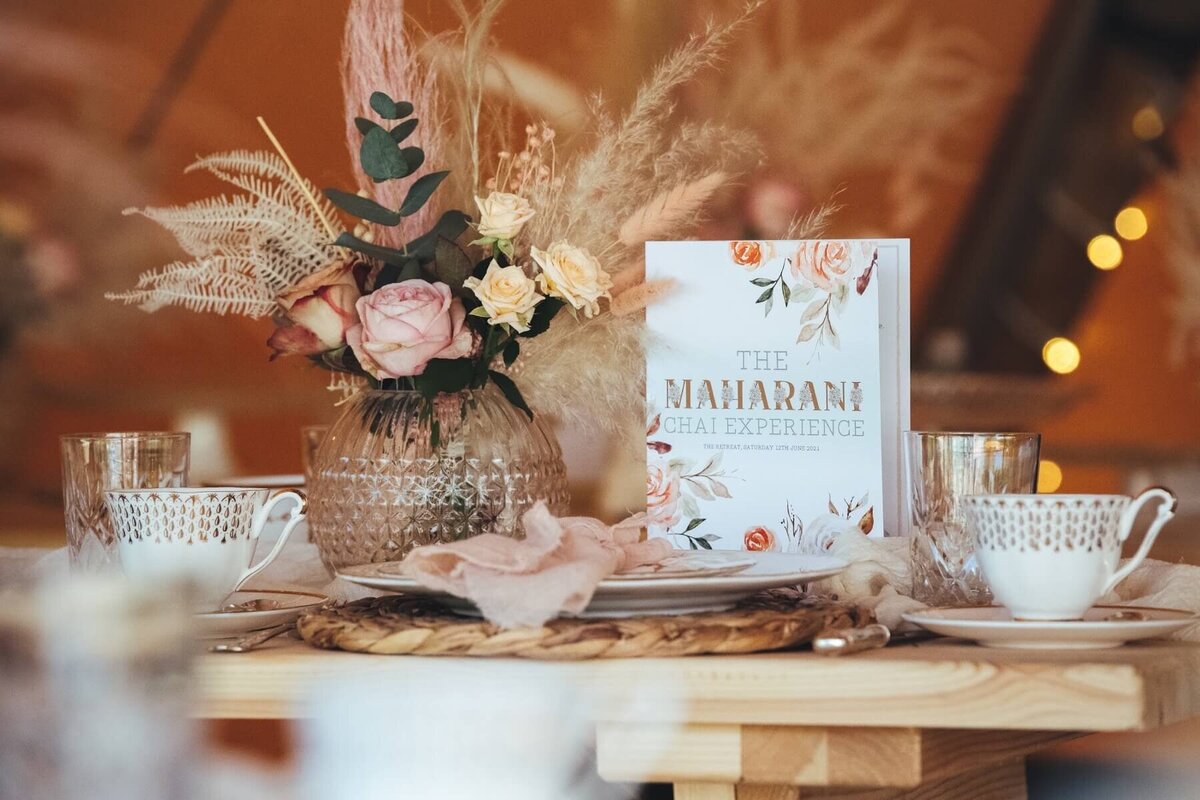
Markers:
(93, 463)
(940, 469)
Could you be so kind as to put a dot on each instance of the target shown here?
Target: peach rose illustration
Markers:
(826, 265)
(746, 254)
(662, 495)
(760, 540)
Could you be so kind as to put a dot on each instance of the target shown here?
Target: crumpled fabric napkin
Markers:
(553, 570)
(879, 578)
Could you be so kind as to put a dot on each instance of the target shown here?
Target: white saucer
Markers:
(644, 594)
(223, 624)
(994, 627)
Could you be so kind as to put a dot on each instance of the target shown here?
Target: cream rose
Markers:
(825, 264)
(318, 311)
(572, 274)
(662, 495)
(508, 295)
(502, 215)
(408, 324)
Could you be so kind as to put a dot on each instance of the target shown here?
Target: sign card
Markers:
(766, 417)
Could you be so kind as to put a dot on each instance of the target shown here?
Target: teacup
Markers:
(1052, 556)
(206, 536)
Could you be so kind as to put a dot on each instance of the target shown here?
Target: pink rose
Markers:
(662, 495)
(406, 325)
(317, 311)
(824, 264)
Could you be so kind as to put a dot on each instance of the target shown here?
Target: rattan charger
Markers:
(398, 625)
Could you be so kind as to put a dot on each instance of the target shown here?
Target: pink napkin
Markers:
(525, 582)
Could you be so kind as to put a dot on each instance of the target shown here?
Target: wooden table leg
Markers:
(1004, 781)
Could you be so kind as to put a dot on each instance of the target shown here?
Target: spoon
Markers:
(252, 641)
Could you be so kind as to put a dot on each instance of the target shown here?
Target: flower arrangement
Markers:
(523, 270)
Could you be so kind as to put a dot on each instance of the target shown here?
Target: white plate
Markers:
(994, 627)
(223, 624)
(295, 481)
(661, 594)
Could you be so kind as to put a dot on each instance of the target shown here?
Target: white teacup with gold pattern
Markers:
(206, 536)
(1052, 556)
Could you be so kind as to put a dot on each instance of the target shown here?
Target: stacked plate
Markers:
(689, 583)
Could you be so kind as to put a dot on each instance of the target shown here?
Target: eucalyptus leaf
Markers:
(381, 157)
(765, 296)
(384, 254)
(703, 542)
(364, 125)
(388, 108)
(763, 281)
(691, 526)
(414, 157)
(767, 306)
(450, 264)
(403, 130)
(420, 191)
(363, 207)
(787, 293)
(509, 390)
(449, 226)
(807, 332)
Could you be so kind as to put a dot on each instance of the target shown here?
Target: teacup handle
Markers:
(1165, 512)
(263, 515)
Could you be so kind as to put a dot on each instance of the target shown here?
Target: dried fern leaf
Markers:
(216, 285)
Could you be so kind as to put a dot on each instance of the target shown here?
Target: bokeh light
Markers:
(1147, 123)
(1050, 476)
(1131, 223)
(1105, 252)
(1061, 355)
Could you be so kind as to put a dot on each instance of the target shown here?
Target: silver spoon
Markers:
(251, 641)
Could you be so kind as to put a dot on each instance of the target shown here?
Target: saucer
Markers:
(289, 481)
(993, 626)
(287, 606)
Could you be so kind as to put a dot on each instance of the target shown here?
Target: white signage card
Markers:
(773, 385)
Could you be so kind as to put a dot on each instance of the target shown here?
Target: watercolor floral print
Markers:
(818, 275)
(676, 486)
(818, 535)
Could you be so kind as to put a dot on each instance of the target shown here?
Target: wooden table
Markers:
(937, 719)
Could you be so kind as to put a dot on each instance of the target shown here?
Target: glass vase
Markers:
(397, 470)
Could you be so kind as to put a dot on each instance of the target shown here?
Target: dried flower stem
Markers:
(262, 123)
(636, 299)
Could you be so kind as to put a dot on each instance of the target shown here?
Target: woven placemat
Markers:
(398, 625)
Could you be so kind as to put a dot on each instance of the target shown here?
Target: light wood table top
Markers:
(931, 719)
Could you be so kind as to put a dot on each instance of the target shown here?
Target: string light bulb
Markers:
(1147, 123)
(1105, 252)
(1061, 355)
(1050, 476)
(1131, 223)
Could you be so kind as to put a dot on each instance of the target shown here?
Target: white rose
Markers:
(507, 294)
(572, 274)
(502, 215)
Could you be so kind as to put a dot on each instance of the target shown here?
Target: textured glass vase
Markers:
(396, 471)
